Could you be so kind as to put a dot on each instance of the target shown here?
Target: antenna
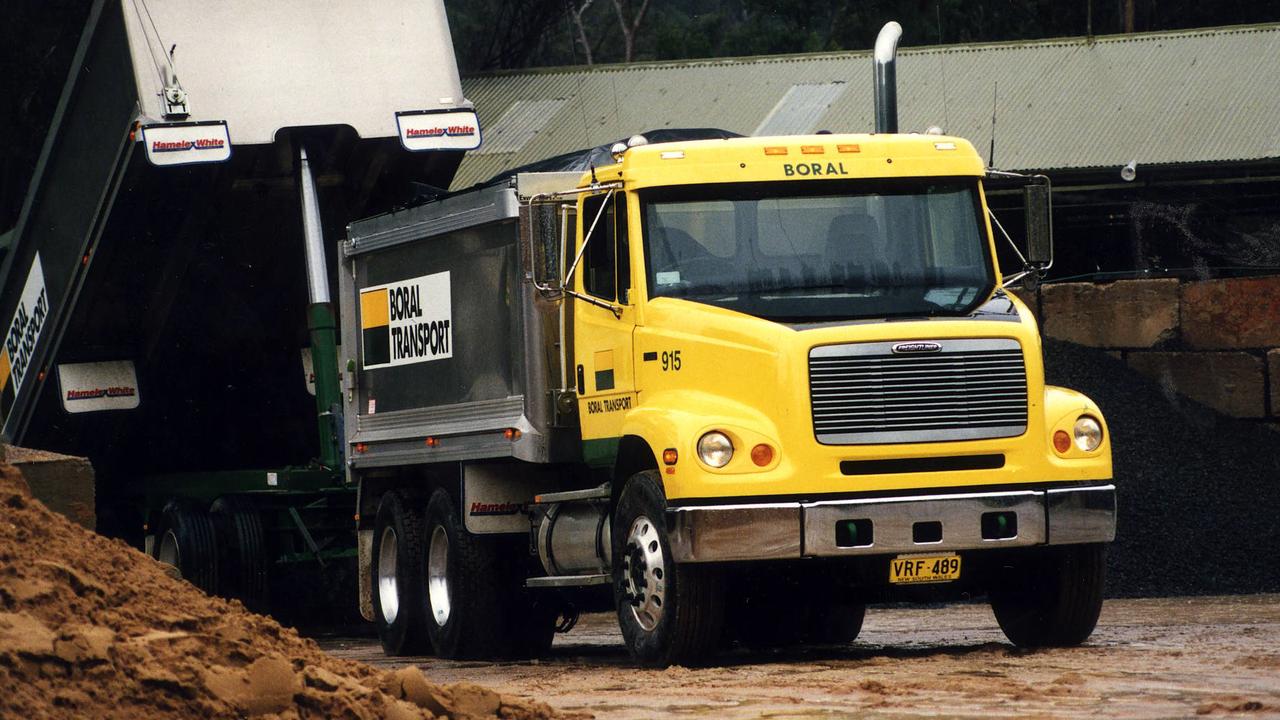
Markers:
(991, 155)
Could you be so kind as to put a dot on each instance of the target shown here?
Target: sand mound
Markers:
(91, 627)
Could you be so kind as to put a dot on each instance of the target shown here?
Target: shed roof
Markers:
(1208, 95)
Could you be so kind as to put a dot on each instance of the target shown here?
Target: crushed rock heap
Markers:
(89, 627)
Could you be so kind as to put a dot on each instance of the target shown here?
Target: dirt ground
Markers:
(1149, 658)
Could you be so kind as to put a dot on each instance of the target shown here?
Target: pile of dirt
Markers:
(91, 627)
(1197, 491)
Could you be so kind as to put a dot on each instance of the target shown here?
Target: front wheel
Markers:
(1051, 598)
(669, 613)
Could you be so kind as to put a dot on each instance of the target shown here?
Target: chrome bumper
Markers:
(776, 531)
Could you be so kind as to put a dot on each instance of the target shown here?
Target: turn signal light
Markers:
(762, 455)
(511, 434)
(670, 456)
(433, 442)
(361, 447)
(1061, 441)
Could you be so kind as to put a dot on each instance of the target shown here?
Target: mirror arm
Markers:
(586, 239)
(615, 309)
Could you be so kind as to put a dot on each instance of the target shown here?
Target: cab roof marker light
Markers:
(944, 146)
(775, 151)
(672, 155)
(812, 149)
(848, 148)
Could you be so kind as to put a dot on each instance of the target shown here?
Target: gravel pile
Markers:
(1199, 492)
(92, 628)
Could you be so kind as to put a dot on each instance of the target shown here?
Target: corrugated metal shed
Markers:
(1158, 98)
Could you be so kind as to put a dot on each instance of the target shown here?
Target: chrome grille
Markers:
(969, 389)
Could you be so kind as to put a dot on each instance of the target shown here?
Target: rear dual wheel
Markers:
(186, 540)
(478, 607)
(242, 551)
(399, 591)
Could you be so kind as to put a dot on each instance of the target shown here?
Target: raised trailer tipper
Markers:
(747, 385)
(168, 291)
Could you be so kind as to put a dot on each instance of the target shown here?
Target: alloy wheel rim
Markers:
(644, 573)
(438, 576)
(388, 588)
(169, 554)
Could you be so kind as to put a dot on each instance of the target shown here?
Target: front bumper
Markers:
(777, 531)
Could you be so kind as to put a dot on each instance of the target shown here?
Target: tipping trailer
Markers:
(167, 290)
(749, 383)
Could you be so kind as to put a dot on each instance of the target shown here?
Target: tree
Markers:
(630, 24)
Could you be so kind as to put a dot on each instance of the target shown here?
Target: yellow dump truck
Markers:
(739, 387)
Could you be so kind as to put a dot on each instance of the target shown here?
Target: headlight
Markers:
(715, 449)
(1088, 432)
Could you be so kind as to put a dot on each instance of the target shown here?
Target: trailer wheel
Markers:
(669, 613)
(185, 539)
(1051, 598)
(464, 603)
(399, 588)
(243, 558)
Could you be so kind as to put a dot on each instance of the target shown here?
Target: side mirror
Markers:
(1039, 208)
(546, 244)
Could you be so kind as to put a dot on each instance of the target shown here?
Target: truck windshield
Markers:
(816, 251)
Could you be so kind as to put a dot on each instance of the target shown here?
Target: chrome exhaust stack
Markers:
(886, 77)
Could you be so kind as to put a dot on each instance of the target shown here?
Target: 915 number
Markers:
(671, 361)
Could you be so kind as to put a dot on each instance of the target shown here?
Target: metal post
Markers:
(320, 319)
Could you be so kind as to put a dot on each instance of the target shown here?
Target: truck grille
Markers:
(969, 389)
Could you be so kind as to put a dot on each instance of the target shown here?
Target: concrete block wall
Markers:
(1214, 341)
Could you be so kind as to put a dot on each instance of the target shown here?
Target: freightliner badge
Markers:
(407, 322)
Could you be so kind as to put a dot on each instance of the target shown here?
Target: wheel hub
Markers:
(169, 553)
(644, 572)
(388, 590)
(438, 576)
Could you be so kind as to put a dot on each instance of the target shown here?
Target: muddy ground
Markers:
(1149, 658)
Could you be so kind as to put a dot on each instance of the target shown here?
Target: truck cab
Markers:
(809, 336)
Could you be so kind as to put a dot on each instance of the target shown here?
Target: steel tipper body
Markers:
(167, 288)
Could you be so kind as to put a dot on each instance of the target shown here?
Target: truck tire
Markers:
(669, 613)
(463, 587)
(775, 620)
(835, 622)
(186, 540)
(1051, 598)
(399, 586)
(243, 555)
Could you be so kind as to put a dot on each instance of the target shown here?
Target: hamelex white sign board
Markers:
(427, 130)
(187, 143)
(97, 386)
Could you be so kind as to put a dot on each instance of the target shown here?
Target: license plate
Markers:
(910, 569)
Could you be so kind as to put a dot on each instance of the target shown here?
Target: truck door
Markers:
(602, 333)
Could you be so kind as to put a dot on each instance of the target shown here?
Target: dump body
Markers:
(164, 306)
(448, 339)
